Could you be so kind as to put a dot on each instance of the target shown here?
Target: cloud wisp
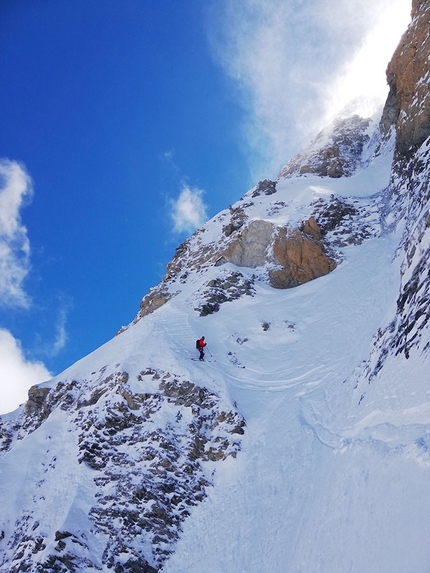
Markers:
(61, 333)
(297, 64)
(188, 212)
(17, 374)
(15, 192)
(53, 348)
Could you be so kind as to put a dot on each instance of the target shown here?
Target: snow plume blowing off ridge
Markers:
(298, 64)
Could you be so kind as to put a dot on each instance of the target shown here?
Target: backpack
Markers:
(198, 344)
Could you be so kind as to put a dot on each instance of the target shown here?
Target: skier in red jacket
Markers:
(200, 347)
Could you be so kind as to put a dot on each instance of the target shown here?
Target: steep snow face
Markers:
(265, 457)
(335, 463)
(102, 467)
(408, 110)
(407, 335)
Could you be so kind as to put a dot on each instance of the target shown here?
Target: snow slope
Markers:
(332, 471)
(317, 487)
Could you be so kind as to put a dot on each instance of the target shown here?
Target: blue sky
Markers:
(126, 124)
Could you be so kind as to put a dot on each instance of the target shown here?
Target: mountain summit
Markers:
(302, 442)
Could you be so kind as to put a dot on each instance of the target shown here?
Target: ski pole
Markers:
(208, 350)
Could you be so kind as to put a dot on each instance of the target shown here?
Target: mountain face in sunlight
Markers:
(302, 441)
(408, 104)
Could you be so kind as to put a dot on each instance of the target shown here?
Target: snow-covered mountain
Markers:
(302, 442)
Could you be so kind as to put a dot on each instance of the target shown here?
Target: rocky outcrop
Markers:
(301, 257)
(284, 257)
(225, 288)
(344, 222)
(37, 407)
(311, 228)
(157, 297)
(237, 220)
(264, 187)
(148, 457)
(408, 75)
(36, 402)
(336, 151)
(250, 247)
(298, 255)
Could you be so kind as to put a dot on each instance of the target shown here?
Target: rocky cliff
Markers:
(144, 469)
(408, 76)
(408, 111)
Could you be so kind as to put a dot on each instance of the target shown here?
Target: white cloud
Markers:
(15, 190)
(17, 375)
(296, 63)
(188, 211)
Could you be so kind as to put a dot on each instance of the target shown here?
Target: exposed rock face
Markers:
(36, 400)
(409, 78)
(408, 109)
(336, 151)
(311, 228)
(157, 297)
(408, 75)
(284, 257)
(225, 288)
(265, 187)
(37, 407)
(299, 254)
(145, 455)
(250, 248)
(301, 257)
(237, 219)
